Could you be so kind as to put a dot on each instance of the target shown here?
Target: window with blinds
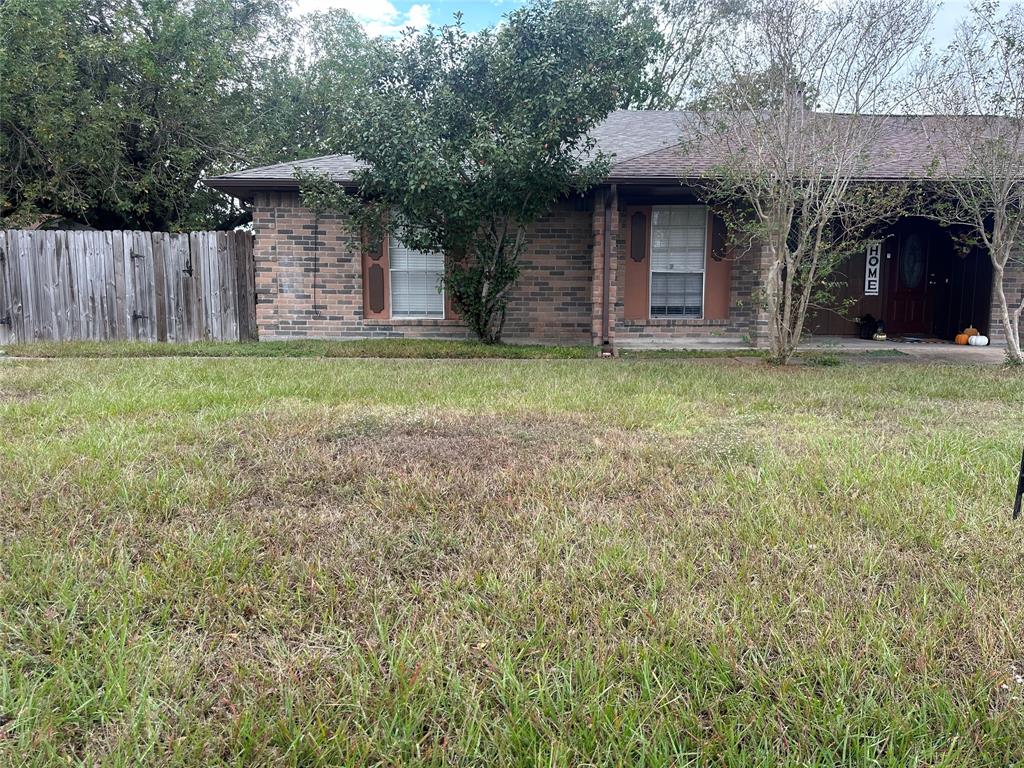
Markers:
(415, 281)
(678, 247)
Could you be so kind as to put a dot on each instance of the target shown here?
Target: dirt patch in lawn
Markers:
(439, 498)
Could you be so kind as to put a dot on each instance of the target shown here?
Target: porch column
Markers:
(760, 320)
(604, 289)
(1013, 282)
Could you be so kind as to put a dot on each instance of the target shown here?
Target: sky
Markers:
(389, 17)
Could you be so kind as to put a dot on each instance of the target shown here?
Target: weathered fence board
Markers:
(145, 286)
(6, 331)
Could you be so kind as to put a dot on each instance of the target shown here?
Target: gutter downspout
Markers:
(610, 200)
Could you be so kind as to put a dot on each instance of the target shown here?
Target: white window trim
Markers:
(391, 296)
(703, 271)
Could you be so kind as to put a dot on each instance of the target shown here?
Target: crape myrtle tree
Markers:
(794, 110)
(466, 139)
(978, 83)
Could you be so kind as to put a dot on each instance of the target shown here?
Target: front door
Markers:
(910, 287)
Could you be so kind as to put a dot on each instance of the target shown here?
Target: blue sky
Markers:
(390, 16)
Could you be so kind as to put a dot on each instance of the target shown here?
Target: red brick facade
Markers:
(309, 283)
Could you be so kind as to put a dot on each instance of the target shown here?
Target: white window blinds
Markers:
(678, 247)
(415, 281)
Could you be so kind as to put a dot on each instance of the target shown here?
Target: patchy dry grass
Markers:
(389, 348)
(340, 562)
(386, 348)
(424, 349)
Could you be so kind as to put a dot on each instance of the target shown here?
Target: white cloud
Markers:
(378, 17)
(418, 16)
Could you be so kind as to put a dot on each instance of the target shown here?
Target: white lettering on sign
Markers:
(873, 269)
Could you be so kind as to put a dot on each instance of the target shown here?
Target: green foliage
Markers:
(467, 139)
(302, 95)
(112, 111)
(823, 360)
(682, 56)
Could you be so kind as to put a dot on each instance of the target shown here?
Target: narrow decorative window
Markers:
(678, 247)
(416, 279)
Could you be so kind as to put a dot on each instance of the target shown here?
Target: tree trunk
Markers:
(780, 346)
(482, 282)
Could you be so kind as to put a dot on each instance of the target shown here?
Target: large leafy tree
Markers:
(684, 57)
(468, 139)
(304, 93)
(112, 111)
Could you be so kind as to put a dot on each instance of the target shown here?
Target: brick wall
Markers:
(551, 302)
(1013, 285)
(616, 235)
(309, 281)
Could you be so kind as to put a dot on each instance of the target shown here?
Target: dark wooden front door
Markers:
(911, 284)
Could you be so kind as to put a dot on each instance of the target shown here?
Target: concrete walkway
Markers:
(942, 352)
(945, 352)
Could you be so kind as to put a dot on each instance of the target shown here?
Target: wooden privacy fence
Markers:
(146, 286)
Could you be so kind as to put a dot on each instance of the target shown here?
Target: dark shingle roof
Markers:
(282, 175)
(907, 147)
(645, 146)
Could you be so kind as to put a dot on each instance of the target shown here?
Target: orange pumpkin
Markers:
(961, 338)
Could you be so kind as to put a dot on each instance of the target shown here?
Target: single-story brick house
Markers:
(639, 259)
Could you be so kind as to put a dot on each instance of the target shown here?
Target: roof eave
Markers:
(244, 189)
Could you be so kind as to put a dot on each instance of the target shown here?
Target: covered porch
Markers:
(919, 282)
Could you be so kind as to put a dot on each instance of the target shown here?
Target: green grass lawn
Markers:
(377, 348)
(307, 561)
